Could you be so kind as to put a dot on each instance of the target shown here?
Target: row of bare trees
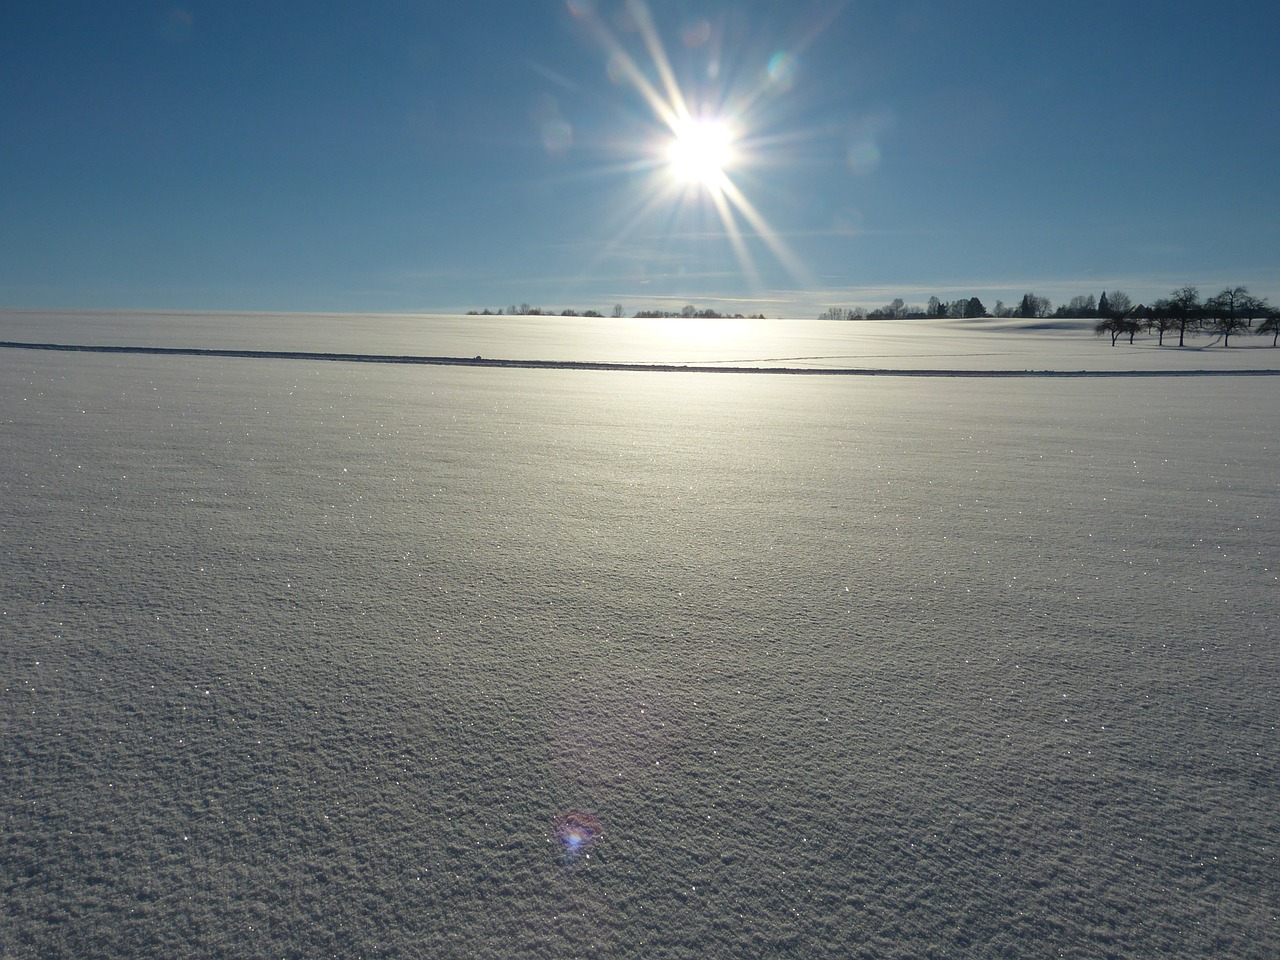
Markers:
(1231, 312)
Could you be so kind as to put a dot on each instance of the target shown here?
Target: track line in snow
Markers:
(479, 361)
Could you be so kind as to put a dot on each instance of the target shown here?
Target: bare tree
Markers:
(1230, 300)
(1226, 313)
(1117, 326)
(1117, 318)
(1271, 324)
(1187, 310)
(1254, 307)
(1119, 303)
(1160, 317)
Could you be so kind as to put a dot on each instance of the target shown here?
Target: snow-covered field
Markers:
(1066, 346)
(308, 658)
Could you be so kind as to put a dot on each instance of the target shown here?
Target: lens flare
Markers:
(576, 831)
(782, 70)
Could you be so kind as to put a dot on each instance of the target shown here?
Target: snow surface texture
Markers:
(318, 659)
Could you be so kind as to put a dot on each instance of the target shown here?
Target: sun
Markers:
(700, 151)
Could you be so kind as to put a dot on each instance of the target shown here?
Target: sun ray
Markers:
(765, 232)
(675, 97)
(622, 61)
(736, 241)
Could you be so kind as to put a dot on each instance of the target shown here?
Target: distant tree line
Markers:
(963, 309)
(899, 309)
(687, 312)
(690, 312)
(1231, 312)
(524, 310)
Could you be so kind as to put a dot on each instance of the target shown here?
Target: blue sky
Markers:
(431, 156)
